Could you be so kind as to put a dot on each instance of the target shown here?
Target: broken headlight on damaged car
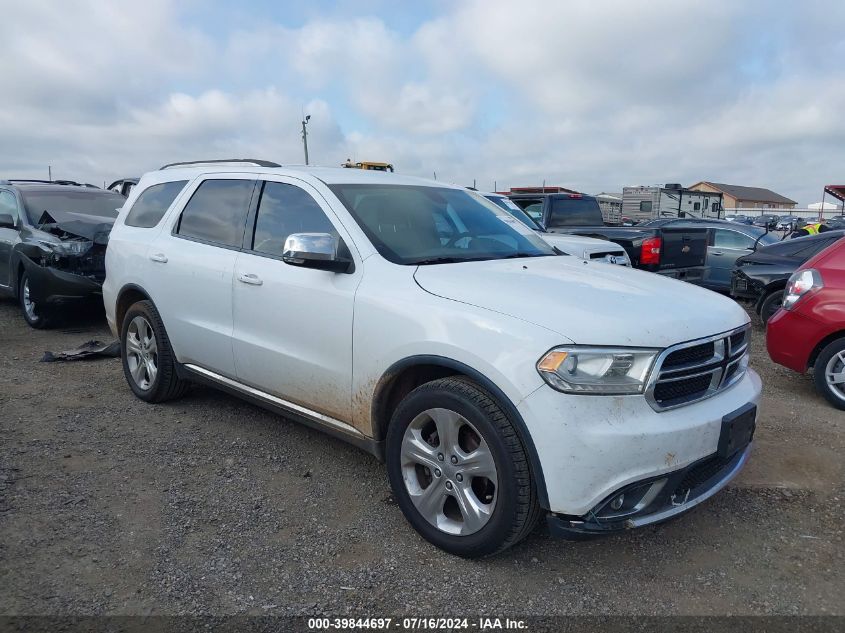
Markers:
(68, 247)
(597, 370)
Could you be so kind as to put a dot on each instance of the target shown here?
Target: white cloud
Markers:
(594, 95)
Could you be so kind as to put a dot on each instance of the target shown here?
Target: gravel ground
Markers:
(212, 506)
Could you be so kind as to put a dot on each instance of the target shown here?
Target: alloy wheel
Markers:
(28, 303)
(449, 472)
(834, 373)
(141, 352)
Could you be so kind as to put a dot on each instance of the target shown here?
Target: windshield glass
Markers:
(508, 205)
(96, 202)
(413, 225)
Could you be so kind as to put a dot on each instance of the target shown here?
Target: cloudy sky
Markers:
(591, 94)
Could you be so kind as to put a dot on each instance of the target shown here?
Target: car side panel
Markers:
(127, 262)
(409, 321)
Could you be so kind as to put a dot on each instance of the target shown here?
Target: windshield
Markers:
(510, 206)
(413, 225)
(104, 204)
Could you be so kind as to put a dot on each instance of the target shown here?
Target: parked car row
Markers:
(677, 252)
(761, 276)
(580, 246)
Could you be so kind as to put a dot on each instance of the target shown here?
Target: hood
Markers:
(551, 238)
(585, 302)
(578, 244)
(91, 227)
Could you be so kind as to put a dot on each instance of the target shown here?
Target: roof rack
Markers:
(35, 181)
(257, 162)
(74, 183)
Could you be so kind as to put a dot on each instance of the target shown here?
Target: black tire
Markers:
(770, 305)
(41, 317)
(833, 395)
(516, 510)
(166, 384)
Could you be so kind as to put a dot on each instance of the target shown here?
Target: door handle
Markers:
(249, 278)
(159, 257)
(716, 253)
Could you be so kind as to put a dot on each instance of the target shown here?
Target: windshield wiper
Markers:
(455, 260)
(520, 255)
(446, 260)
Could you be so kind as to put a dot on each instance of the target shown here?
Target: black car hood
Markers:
(91, 227)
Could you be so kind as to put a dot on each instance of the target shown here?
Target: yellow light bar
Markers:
(552, 361)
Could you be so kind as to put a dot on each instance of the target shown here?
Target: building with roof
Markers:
(741, 197)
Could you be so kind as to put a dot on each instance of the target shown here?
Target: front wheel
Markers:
(459, 471)
(36, 315)
(770, 305)
(829, 373)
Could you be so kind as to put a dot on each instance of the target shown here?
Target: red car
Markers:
(809, 329)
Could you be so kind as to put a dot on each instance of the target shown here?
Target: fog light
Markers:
(616, 503)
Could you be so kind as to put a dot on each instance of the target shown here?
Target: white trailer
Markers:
(670, 201)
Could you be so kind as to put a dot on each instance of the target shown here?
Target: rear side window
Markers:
(567, 211)
(286, 209)
(217, 212)
(153, 202)
(722, 238)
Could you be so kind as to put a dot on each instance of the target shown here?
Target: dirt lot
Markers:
(210, 505)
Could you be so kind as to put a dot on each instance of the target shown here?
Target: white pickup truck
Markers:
(577, 245)
(500, 380)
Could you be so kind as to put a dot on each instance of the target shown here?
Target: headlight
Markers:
(71, 247)
(799, 284)
(598, 370)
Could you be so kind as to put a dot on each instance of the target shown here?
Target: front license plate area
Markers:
(737, 430)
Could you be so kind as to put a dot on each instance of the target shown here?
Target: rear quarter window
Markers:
(153, 203)
(581, 211)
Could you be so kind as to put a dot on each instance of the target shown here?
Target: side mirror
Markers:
(315, 250)
(7, 221)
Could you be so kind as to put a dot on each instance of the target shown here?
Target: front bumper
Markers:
(691, 275)
(54, 287)
(677, 493)
(589, 447)
(743, 287)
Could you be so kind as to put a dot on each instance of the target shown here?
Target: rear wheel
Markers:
(459, 471)
(149, 364)
(770, 305)
(35, 314)
(830, 373)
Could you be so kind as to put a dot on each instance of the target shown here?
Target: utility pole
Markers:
(305, 136)
(49, 173)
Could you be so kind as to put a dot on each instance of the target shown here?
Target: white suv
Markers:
(419, 321)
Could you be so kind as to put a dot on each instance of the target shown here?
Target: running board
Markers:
(307, 416)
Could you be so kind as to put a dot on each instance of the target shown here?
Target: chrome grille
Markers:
(692, 371)
(610, 257)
